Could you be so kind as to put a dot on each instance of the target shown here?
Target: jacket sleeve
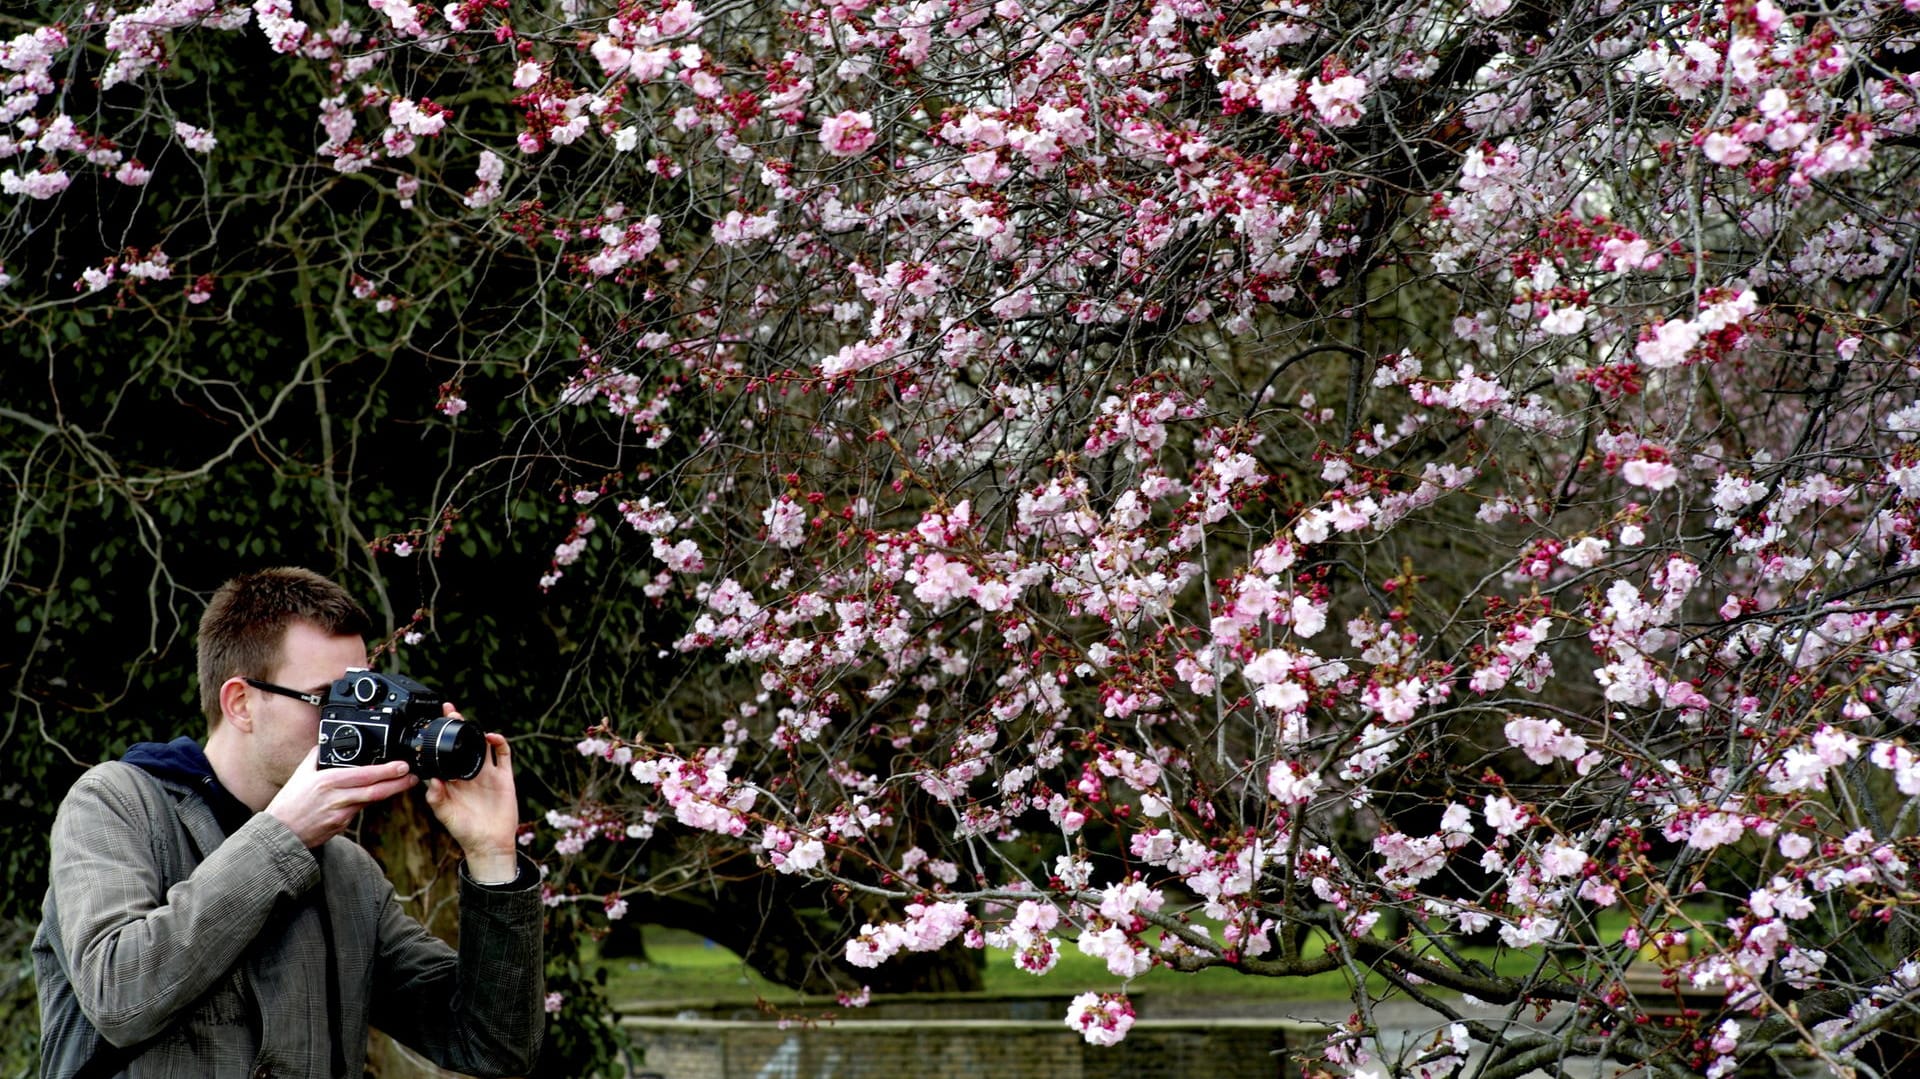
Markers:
(143, 953)
(479, 1010)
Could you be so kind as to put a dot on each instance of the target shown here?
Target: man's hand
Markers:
(318, 803)
(481, 813)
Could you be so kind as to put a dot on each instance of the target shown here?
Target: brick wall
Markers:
(964, 1049)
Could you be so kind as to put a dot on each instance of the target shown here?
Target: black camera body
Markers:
(373, 718)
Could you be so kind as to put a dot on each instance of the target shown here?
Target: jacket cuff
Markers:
(525, 878)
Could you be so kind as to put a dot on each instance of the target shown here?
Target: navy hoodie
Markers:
(183, 761)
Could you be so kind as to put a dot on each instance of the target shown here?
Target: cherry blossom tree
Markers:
(1299, 487)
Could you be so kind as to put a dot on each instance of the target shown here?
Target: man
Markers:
(206, 918)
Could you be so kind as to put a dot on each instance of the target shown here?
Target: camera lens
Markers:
(449, 748)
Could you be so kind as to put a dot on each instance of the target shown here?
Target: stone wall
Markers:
(934, 1048)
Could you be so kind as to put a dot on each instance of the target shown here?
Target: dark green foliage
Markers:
(150, 448)
(579, 1037)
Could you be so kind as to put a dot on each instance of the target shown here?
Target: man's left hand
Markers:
(481, 813)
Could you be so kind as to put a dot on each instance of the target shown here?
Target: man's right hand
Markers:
(319, 803)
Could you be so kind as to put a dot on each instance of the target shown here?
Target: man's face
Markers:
(285, 729)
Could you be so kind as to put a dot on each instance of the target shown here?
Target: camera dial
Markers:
(365, 689)
(343, 743)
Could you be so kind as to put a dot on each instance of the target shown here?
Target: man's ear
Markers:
(236, 704)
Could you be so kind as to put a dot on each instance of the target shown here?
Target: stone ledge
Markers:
(965, 1048)
(897, 1026)
(880, 1001)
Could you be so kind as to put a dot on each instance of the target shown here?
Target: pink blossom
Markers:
(1340, 101)
(1530, 930)
(1474, 392)
(1119, 901)
(43, 184)
(847, 134)
(1599, 891)
(984, 167)
(1278, 92)
(1899, 760)
(275, 18)
(737, 229)
(1101, 1018)
(1125, 958)
(804, 855)
(1544, 740)
(1668, 344)
(1724, 148)
(682, 557)
(1561, 860)
(1564, 321)
(1503, 816)
(1652, 474)
(401, 15)
(1628, 253)
(1292, 783)
(786, 523)
(418, 118)
(1585, 554)
(1834, 747)
(1407, 860)
(1716, 830)
(488, 173)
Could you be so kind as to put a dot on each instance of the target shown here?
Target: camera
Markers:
(373, 718)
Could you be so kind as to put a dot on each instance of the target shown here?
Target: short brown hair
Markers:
(246, 623)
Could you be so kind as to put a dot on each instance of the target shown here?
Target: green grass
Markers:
(1076, 973)
(681, 966)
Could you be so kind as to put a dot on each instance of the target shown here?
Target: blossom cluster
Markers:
(1277, 486)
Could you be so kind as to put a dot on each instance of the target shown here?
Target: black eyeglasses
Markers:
(314, 699)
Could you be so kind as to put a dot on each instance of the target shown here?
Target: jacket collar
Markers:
(183, 762)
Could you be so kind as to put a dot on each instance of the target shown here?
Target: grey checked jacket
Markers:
(169, 950)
